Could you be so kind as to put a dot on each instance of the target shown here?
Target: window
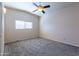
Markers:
(28, 25)
(23, 25)
(19, 24)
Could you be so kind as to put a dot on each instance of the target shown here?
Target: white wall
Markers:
(62, 25)
(0, 27)
(11, 33)
(1, 30)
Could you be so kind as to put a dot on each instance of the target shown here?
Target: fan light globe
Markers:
(40, 8)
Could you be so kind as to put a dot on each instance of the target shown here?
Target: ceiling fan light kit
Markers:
(40, 8)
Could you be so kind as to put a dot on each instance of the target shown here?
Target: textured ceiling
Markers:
(28, 6)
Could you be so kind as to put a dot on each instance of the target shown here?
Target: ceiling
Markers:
(28, 6)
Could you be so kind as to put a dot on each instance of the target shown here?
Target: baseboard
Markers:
(40, 38)
(60, 42)
(18, 41)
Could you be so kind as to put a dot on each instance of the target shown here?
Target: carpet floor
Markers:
(40, 47)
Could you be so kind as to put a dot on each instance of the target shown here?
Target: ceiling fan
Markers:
(41, 8)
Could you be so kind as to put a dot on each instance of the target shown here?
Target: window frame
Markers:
(25, 25)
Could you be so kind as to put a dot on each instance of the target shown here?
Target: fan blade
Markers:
(43, 11)
(35, 10)
(35, 4)
(47, 6)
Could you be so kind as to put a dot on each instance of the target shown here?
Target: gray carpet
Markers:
(40, 47)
